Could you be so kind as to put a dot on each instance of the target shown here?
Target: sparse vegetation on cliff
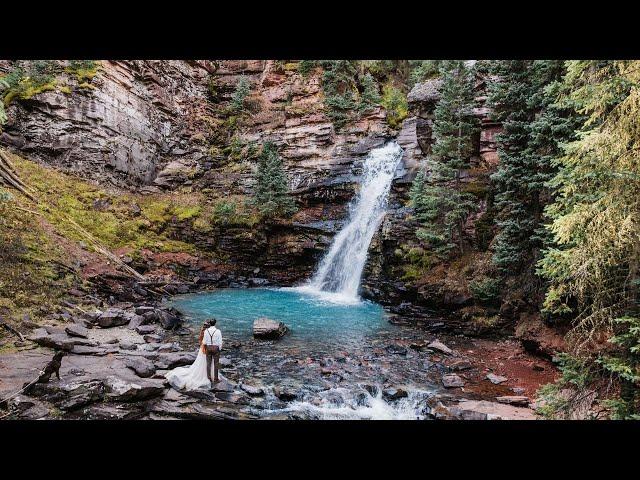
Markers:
(441, 205)
(243, 87)
(271, 194)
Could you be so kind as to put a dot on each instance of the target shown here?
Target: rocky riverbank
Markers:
(117, 357)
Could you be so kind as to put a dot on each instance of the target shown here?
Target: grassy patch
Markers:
(110, 217)
(31, 278)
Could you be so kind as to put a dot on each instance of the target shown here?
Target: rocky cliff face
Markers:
(132, 122)
(166, 125)
(392, 276)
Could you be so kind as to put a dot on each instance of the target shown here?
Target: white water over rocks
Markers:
(338, 276)
(344, 404)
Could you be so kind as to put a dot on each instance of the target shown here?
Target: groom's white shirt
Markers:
(212, 336)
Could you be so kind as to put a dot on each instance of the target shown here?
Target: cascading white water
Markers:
(338, 275)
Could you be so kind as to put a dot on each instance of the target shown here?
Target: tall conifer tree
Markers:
(272, 191)
(522, 96)
(441, 205)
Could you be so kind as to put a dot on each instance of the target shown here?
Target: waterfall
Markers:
(340, 270)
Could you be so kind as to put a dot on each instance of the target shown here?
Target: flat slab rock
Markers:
(496, 379)
(452, 381)
(76, 330)
(440, 347)
(144, 368)
(516, 400)
(251, 390)
(483, 410)
(268, 329)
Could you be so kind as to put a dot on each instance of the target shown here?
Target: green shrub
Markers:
(624, 365)
(224, 212)
(84, 70)
(370, 96)
(26, 80)
(485, 290)
(271, 194)
(4, 195)
(422, 70)
(559, 399)
(243, 87)
(395, 103)
(306, 66)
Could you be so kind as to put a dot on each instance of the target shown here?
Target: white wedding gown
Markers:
(193, 376)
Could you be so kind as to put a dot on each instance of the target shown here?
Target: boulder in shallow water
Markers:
(268, 329)
(394, 393)
(251, 390)
(286, 392)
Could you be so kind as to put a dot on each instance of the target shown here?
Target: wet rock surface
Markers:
(114, 373)
(268, 329)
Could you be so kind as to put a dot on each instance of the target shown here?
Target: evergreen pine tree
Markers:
(370, 96)
(240, 94)
(594, 265)
(522, 97)
(271, 194)
(442, 207)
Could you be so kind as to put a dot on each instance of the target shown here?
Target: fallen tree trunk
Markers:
(11, 329)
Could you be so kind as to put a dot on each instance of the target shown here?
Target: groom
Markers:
(213, 337)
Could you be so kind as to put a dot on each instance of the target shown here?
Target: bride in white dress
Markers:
(195, 376)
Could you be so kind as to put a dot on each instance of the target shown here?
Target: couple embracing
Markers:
(199, 374)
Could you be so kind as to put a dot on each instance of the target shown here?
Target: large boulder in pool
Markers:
(268, 329)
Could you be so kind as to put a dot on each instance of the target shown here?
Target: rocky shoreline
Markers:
(116, 358)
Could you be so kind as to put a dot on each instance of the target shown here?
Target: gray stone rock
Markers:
(223, 385)
(516, 400)
(440, 347)
(128, 346)
(153, 338)
(267, 329)
(142, 309)
(119, 389)
(394, 393)
(474, 409)
(169, 318)
(225, 363)
(145, 329)
(136, 321)
(144, 368)
(396, 349)
(251, 390)
(82, 395)
(56, 341)
(460, 365)
(77, 331)
(286, 393)
(425, 92)
(169, 347)
(83, 350)
(233, 397)
(452, 381)
(496, 379)
(113, 317)
(175, 359)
